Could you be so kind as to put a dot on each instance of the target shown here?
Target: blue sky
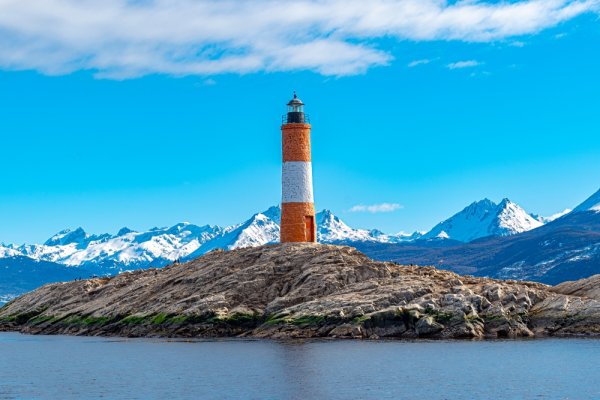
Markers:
(101, 135)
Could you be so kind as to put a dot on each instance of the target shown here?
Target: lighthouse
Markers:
(297, 201)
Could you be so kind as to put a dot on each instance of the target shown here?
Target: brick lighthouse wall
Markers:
(297, 207)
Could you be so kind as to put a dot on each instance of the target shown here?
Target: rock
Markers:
(304, 291)
(427, 326)
(589, 287)
(346, 330)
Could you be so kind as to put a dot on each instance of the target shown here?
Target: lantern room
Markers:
(295, 112)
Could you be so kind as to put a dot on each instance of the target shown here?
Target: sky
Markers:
(148, 113)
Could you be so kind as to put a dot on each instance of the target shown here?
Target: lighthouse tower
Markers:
(297, 202)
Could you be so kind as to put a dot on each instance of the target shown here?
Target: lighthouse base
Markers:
(298, 223)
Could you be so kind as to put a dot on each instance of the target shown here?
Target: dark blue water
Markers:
(61, 367)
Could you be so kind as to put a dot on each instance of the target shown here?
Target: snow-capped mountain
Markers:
(8, 251)
(67, 236)
(125, 250)
(129, 249)
(484, 218)
(261, 228)
(331, 229)
(568, 248)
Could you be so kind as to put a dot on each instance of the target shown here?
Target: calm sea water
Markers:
(62, 367)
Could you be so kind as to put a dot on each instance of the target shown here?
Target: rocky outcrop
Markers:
(299, 291)
(589, 288)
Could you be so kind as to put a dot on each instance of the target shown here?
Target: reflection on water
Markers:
(76, 367)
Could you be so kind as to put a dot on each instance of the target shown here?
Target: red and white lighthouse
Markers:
(297, 201)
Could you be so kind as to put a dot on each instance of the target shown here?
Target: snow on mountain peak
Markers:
(129, 249)
(158, 246)
(8, 251)
(512, 219)
(331, 229)
(261, 228)
(67, 236)
(591, 204)
(485, 218)
(442, 235)
(407, 237)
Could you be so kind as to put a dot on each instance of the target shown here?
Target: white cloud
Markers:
(463, 64)
(376, 208)
(416, 63)
(129, 38)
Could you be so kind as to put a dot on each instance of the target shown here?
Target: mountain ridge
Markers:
(568, 248)
(130, 249)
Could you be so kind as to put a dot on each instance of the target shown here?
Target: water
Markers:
(62, 367)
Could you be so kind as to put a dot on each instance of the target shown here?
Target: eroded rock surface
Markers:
(589, 287)
(299, 291)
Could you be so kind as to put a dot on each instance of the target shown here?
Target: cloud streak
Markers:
(376, 208)
(464, 64)
(130, 38)
(416, 63)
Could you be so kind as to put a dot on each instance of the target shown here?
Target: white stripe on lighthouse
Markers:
(296, 179)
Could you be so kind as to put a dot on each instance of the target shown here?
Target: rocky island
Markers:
(304, 291)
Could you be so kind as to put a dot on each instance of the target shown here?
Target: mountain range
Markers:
(481, 225)
(567, 248)
(129, 249)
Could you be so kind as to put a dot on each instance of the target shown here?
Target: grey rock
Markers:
(427, 326)
(304, 291)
